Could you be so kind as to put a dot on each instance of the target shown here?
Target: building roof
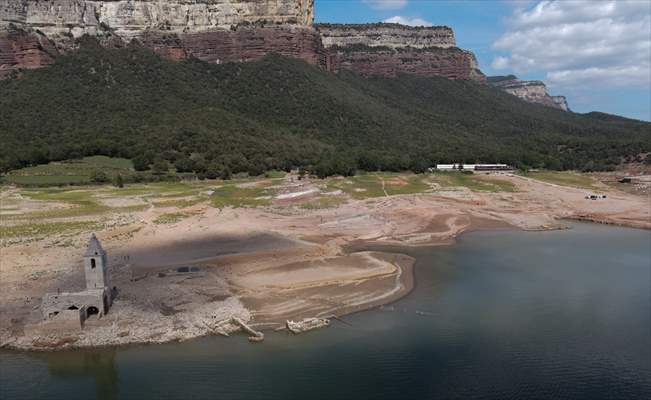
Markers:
(94, 247)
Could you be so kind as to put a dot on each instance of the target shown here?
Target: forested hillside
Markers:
(280, 113)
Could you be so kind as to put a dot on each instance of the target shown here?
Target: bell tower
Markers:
(95, 265)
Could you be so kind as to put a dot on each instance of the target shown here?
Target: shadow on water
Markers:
(98, 365)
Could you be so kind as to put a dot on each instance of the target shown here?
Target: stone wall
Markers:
(56, 303)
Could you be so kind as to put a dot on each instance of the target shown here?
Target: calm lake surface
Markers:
(500, 315)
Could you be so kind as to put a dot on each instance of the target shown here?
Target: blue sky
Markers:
(597, 53)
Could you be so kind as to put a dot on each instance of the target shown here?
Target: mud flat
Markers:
(266, 264)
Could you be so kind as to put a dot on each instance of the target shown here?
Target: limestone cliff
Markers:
(531, 91)
(391, 49)
(131, 18)
(34, 32)
(386, 35)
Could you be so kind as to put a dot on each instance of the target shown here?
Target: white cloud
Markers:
(408, 21)
(386, 4)
(608, 42)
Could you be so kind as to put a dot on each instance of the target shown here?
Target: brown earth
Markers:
(268, 264)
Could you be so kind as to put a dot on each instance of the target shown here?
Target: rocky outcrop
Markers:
(132, 18)
(392, 49)
(386, 35)
(221, 31)
(531, 91)
(246, 43)
(20, 50)
(218, 31)
(561, 102)
(452, 62)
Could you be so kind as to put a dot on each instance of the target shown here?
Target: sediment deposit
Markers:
(264, 265)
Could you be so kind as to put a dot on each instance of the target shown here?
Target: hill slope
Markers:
(278, 113)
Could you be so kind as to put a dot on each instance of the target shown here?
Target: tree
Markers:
(226, 174)
(98, 176)
(140, 162)
(160, 167)
(184, 164)
(118, 181)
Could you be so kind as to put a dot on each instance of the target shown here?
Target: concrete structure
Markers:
(73, 308)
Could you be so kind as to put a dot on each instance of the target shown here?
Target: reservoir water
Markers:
(499, 315)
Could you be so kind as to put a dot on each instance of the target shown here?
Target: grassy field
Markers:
(321, 203)
(473, 182)
(372, 185)
(172, 218)
(232, 195)
(564, 179)
(72, 172)
(46, 228)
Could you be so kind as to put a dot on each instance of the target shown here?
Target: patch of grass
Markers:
(323, 203)
(71, 172)
(358, 187)
(179, 203)
(81, 201)
(231, 195)
(366, 186)
(564, 179)
(46, 180)
(46, 229)
(404, 184)
(473, 182)
(159, 189)
(275, 174)
(172, 218)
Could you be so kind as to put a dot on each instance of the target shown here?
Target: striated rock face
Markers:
(220, 31)
(211, 30)
(391, 49)
(19, 50)
(131, 18)
(561, 102)
(385, 35)
(531, 91)
(452, 63)
(245, 43)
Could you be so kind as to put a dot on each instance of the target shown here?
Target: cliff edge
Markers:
(531, 91)
(34, 32)
(391, 49)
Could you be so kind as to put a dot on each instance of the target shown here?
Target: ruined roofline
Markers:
(94, 247)
(382, 25)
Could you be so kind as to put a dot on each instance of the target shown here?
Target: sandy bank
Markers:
(268, 264)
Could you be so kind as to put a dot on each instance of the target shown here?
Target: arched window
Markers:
(92, 263)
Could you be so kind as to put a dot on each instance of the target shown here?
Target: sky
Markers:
(597, 53)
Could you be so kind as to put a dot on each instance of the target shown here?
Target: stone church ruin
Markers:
(72, 309)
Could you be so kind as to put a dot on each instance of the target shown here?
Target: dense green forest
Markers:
(279, 113)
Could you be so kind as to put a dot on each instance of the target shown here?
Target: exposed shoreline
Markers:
(266, 266)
